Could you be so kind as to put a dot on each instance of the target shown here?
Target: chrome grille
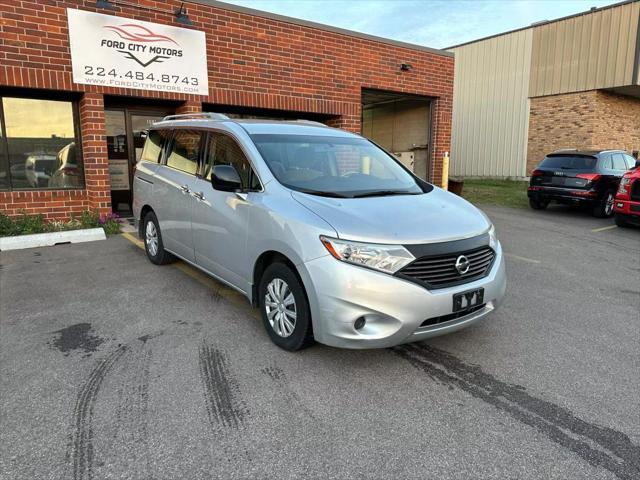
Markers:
(440, 271)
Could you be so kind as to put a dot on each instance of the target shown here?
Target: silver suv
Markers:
(324, 231)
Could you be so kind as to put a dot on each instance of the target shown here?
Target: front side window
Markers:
(223, 150)
(40, 144)
(618, 162)
(334, 166)
(185, 149)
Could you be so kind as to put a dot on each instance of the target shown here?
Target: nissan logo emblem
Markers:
(462, 264)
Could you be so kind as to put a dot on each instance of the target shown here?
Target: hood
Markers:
(437, 216)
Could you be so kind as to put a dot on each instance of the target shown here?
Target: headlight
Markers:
(624, 183)
(386, 258)
(493, 240)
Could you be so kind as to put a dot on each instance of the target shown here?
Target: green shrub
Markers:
(26, 224)
(7, 225)
(110, 223)
(89, 219)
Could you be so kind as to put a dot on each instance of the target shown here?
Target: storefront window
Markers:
(40, 145)
(4, 168)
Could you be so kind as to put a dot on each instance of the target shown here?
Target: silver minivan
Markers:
(324, 231)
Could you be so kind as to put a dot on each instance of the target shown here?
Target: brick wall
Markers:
(593, 119)
(252, 61)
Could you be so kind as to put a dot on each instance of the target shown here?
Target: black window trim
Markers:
(4, 153)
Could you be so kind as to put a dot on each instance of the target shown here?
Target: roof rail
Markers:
(312, 122)
(197, 116)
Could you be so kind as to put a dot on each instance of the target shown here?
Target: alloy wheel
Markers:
(608, 208)
(151, 237)
(280, 306)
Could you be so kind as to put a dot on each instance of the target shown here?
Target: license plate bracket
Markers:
(468, 299)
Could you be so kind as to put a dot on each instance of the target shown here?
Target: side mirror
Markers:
(225, 178)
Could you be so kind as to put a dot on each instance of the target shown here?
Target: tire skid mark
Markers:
(80, 452)
(599, 446)
(226, 411)
(130, 439)
(221, 392)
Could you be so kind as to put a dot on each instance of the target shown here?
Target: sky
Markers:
(432, 23)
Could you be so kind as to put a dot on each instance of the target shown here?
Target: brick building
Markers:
(71, 131)
(573, 82)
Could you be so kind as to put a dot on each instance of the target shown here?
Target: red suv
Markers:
(627, 203)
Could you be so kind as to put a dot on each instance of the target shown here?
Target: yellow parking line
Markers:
(610, 227)
(133, 239)
(233, 296)
(524, 259)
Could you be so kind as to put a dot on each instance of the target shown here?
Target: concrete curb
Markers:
(49, 239)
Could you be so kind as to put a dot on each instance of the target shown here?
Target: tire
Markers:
(604, 208)
(279, 286)
(155, 250)
(537, 204)
(621, 220)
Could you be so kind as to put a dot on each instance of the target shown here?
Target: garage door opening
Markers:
(400, 123)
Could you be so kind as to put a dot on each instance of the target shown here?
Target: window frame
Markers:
(4, 152)
(205, 156)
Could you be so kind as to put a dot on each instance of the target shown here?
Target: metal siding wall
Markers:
(586, 52)
(490, 107)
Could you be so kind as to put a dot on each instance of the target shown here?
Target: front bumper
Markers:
(563, 195)
(394, 309)
(627, 207)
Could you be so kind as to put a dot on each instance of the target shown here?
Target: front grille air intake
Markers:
(440, 271)
(635, 191)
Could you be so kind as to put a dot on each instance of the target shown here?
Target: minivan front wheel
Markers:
(153, 241)
(284, 308)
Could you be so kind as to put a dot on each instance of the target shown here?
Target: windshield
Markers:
(334, 166)
(569, 162)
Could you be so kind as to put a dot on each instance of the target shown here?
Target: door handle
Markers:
(198, 195)
(185, 188)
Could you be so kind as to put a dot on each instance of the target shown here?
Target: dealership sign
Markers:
(120, 52)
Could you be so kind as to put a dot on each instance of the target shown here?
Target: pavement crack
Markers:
(599, 446)
(80, 453)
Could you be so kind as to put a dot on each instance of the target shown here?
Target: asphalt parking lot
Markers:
(111, 367)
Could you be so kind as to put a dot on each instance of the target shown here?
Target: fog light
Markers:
(359, 323)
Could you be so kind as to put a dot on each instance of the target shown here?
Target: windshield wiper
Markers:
(384, 193)
(322, 193)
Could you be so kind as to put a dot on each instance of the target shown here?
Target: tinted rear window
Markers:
(572, 162)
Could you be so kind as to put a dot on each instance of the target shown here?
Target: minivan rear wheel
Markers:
(153, 241)
(284, 308)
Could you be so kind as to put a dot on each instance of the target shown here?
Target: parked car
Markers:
(328, 234)
(68, 174)
(38, 169)
(627, 204)
(579, 177)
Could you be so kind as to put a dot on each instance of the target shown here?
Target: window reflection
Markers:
(4, 176)
(42, 144)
